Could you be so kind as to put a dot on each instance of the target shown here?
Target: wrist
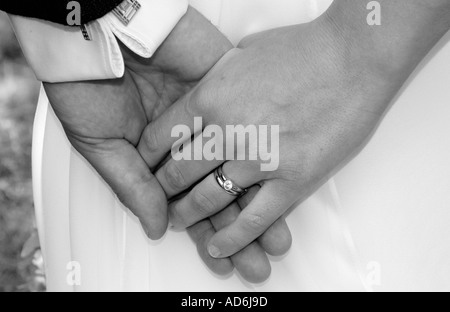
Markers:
(392, 50)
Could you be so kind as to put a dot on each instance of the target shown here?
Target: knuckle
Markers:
(202, 238)
(246, 200)
(143, 179)
(238, 243)
(174, 177)
(177, 218)
(202, 203)
(200, 233)
(293, 173)
(198, 102)
(191, 105)
(255, 223)
(151, 140)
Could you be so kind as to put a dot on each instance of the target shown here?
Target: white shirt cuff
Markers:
(59, 54)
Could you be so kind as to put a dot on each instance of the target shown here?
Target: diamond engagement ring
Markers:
(229, 186)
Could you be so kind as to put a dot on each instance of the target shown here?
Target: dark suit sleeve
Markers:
(56, 10)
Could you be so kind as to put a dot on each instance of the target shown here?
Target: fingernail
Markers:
(214, 251)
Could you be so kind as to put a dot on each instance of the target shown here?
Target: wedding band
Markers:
(228, 185)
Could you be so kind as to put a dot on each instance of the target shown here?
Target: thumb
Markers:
(121, 166)
(160, 136)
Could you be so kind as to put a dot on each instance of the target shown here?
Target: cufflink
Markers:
(86, 33)
(124, 12)
(127, 10)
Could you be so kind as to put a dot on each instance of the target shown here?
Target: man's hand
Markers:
(104, 120)
(327, 85)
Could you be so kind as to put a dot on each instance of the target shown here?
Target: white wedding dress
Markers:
(382, 224)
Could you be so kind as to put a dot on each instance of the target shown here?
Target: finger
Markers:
(252, 262)
(271, 202)
(277, 240)
(157, 139)
(201, 233)
(176, 176)
(208, 198)
(121, 166)
(160, 137)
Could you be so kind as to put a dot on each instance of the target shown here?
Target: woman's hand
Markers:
(326, 85)
(292, 78)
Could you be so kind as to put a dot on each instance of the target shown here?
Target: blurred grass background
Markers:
(18, 96)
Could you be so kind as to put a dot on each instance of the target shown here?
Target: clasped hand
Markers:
(111, 124)
(296, 78)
